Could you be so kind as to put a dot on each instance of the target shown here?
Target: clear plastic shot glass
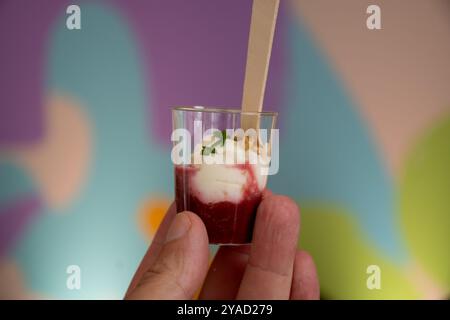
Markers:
(221, 169)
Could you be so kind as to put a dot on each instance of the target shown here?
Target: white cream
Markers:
(215, 182)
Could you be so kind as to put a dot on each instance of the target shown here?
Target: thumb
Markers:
(181, 265)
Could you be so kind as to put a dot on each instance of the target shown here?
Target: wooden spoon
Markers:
(262, 28)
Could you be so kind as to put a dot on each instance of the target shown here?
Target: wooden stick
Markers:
(262, 28)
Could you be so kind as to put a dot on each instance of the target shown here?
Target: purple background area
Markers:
(194, 54)
(23, 30)
(14, 218)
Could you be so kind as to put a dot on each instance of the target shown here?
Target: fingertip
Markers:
(197, 240)
(180, 227)
(305, 281)
(197, 225)
(305, 259)
(266, 193)
(194, 218)
(280, 210)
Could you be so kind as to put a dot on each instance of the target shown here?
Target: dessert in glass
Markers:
(220, 169)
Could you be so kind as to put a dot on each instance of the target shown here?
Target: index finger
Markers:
(269, 271)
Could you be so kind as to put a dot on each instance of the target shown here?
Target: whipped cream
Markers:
(222, 175)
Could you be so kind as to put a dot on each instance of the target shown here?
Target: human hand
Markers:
(176, 264)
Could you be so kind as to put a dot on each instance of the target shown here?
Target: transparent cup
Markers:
(221, 169)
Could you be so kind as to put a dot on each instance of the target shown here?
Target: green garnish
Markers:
(221, 135)
(206, 151)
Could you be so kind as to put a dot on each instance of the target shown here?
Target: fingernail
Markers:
(179, 227)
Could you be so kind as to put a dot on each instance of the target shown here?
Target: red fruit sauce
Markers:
(226, 222)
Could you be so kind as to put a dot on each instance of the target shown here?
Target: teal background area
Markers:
(327, 154)
(98, 232)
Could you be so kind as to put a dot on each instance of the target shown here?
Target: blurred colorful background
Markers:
(85, 170)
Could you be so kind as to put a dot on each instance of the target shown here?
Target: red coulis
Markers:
(225, 221)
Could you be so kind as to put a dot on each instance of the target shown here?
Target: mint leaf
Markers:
(221, 136)
(206, 151)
